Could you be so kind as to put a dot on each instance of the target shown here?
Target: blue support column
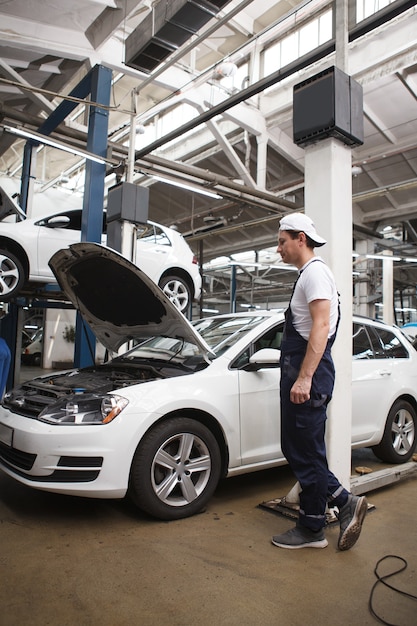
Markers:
(28, 176)
(92, 216)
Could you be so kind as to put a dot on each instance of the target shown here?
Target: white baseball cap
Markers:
(301, 223)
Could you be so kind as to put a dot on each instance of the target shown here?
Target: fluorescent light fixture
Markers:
(203, 192)
(383, 257)
(20, 132)
(287, 266)
(249, 264)
(411, 259)
(210, 310)
(250, 306)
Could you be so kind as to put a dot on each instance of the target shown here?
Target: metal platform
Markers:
(288, 505)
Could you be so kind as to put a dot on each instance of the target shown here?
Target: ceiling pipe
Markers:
(9, 113)
(157, 165)
(215, 180)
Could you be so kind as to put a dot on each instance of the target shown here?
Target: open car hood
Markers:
(117, 299)
(9, 207)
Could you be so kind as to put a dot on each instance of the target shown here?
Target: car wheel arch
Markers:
(208, 420)
(16, 249)
(178, 272)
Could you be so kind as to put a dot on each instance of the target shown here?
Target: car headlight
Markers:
(84, 409)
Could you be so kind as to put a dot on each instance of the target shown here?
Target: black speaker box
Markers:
(127, 201)
(329, 104)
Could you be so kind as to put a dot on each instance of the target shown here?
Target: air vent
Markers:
(166, 29)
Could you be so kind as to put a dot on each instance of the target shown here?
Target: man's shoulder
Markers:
(316, 267)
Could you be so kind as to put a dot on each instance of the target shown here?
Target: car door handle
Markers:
(385, 372)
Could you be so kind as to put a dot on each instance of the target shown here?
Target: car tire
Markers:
(175, 470)
(178, 291)
(12, 275)
(399, 439)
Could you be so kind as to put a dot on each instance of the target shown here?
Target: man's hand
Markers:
(300, 391)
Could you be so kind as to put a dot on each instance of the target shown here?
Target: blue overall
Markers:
(5, 358)
(303, 428)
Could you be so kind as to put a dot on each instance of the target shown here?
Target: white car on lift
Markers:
(188, 404)
(161, 252)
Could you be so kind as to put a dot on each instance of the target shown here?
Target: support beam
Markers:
(92, 216)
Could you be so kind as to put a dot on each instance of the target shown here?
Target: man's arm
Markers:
(320, 315)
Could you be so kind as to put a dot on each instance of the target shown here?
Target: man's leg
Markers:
(303, 445)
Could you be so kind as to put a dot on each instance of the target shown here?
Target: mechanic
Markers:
(307, 381)
(5, 359)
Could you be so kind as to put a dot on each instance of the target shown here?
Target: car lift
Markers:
(97, 85)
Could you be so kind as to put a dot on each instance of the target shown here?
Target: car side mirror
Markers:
(59, 221)
(264, 358)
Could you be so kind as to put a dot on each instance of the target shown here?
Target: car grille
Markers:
(17, 458)
(69, 469)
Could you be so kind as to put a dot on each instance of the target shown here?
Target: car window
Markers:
(391, 346)
(153, 234)
(377, 345)
(362, 347)
(271, 339)
(75, 220)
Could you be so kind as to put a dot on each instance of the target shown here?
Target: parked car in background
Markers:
(410, 329)
(161, 252)
(189, 404)
(32, 351)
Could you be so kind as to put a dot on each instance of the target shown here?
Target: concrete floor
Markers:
(67, 561)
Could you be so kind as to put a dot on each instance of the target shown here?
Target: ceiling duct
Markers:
(167, 28)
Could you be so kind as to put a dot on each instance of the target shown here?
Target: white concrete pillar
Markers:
(261, 164)
(388, 288)
(362, 306)
(342, 31)
(328, 201)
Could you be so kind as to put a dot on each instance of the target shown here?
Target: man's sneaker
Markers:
(351, 517)
(300, 537)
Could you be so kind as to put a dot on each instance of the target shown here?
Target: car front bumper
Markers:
(92, 461)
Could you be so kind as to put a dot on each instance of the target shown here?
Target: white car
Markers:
(32, 351)
(189, 404)
(161, 252)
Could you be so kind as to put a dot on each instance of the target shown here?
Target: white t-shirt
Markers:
(316, 282)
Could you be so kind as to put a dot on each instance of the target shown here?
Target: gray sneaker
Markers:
(300, 537)
(351, 517)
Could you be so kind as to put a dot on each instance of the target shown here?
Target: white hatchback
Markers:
(161, 252)
(190, 403)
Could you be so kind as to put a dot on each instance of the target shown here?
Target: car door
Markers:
(56, 232)
(153, 251)
(259, 404)
(377, 357)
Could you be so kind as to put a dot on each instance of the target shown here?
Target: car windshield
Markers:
(223, 332)
(219, 333)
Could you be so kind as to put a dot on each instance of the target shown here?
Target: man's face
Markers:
(288, 248)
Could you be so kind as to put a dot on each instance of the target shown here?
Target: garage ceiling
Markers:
(47, 47)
